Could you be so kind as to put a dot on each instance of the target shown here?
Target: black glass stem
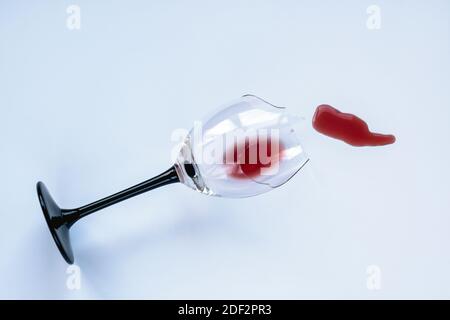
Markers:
(60, 220)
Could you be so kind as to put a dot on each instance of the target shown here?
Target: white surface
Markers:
(90, 112)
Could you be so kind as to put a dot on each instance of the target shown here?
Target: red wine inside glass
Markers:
(249, 158)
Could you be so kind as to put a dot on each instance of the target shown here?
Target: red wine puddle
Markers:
(347, 127)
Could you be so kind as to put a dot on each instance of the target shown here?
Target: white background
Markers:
(91, 111)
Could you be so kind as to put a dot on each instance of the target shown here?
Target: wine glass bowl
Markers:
(224, 155)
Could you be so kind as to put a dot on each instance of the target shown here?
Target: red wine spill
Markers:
(347, 127)
(246, 167)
